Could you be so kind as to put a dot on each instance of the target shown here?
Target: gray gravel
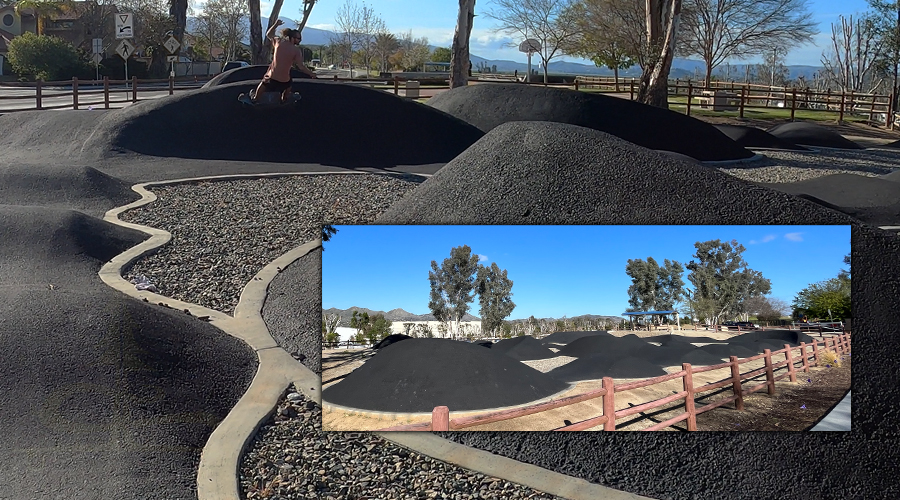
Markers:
(787, 166)
(292, 458)
(224, 232)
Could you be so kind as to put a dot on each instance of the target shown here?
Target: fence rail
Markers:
(441, 421)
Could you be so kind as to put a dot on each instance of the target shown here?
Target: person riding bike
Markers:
(287, 54)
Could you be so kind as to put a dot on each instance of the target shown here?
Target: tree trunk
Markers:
(178, 11)
(459, 56)
(616, 73)
(256, 33)
(662, 24)
(266, 43)
(708, 79)
(307, 9)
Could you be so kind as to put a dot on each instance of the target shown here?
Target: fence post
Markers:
(792, 372)
(793, 102)
(440, 418)
(770, 373)
(37, 94)
(133, 89)
(74, 92)
(820, 331)
(872, 108)
(841, 116)
(576, 83)
(743, 93)
(736, 383)
(816, 351)
(631, 89)
(803, 355)
(609, 404)
(171, 84)
(106, 92)
(396, 86)
(890, 112)
(689, 398)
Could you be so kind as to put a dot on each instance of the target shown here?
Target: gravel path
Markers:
(292, 458)
(224, 232)
(785, 166)
(545, 365)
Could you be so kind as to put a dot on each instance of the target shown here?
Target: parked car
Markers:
(234, 64)
(746, 324)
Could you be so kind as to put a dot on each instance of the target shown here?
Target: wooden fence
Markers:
(80, 89)
(441, 421)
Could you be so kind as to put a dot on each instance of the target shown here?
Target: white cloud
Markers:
(793, 237)
(765, 239)
(482, 258)
(326, 27)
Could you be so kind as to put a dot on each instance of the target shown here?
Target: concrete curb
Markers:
(487, 463)
(217, 476)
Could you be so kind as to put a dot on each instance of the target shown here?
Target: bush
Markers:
(48, 58)
(829, 357)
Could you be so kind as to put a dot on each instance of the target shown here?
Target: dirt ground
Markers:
(825, 388)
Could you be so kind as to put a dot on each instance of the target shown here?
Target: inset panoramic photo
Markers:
(540, 328)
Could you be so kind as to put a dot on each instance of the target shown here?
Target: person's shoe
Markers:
(253, 95)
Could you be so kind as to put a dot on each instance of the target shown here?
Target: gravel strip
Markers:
(545, 365)
(292, 458)
(224, 232)
(785, 166)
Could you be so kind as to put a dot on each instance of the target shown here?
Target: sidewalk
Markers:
(838, 419)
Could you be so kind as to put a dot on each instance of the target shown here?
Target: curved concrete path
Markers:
(217, 476)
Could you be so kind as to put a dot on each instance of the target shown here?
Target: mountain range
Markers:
(681, 68)
(400, 315)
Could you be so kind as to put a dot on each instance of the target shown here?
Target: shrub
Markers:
(829, 357)
(48, 58)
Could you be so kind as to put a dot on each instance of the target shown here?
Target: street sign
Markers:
(125, 49)
(124, 26)
(171, 59)
(530, 45)
(97, 45)
(97, 58)
(172, 45)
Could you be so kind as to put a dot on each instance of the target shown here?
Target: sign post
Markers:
(124, 31)
(172, 46)
(530, 46)
(125, 49)
(97, 48)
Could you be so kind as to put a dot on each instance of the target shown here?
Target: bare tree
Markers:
(551, 22)
(369, 26)
(384, 46)
(717, 30)
(888, 25)
(460, 64)
(850, 65)
(662, 25)
(413, 52)
(225, 19)
(305, 11)
(610, 33)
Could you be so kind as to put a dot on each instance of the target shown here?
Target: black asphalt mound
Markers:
(82, 188)
(700, 357)
(334, 124)
(418, 374)
(599, 344)
(100, 394)
(895, 144)
(632, 367)
(252, 73)
(46, 136)
(591, 367)
(486, 343)
(752, 137)
(552, 173)
(790, 336)
(489, 106)
(873, 200)
(726, 350)
(390, 339)
(664, 355)
(810, 134)
(523, 348)
(563, 338)
(674, 339)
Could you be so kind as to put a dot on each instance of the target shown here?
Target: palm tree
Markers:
(43, 10)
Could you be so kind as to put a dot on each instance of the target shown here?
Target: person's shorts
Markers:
(270, 85)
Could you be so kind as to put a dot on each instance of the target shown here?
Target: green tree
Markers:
(43, 10)
(654, 287)
(609, 33)
(452, 285)
(441, 54)
(377, 328)
(495, 296)
(818, 298)
(722, 281)
(48, 58)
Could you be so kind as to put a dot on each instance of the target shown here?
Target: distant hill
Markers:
(392, 315)
(681, 68)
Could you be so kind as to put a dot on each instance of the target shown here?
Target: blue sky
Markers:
(559, 270)
(436, 20)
